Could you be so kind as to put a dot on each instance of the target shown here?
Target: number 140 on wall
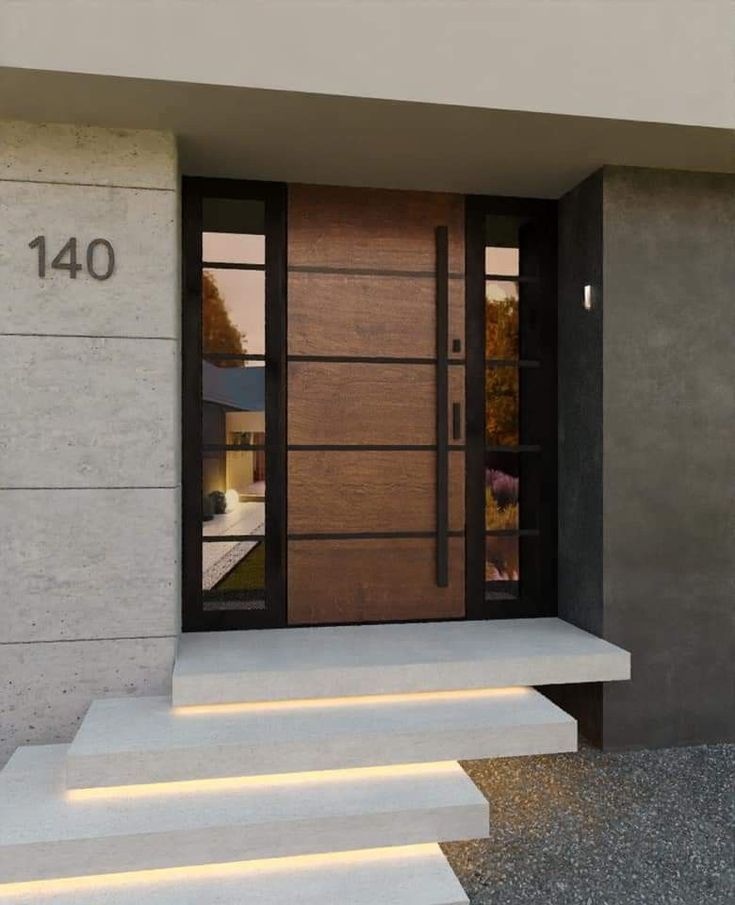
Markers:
(66, 259)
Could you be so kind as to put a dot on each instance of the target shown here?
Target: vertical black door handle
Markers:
(442, 406)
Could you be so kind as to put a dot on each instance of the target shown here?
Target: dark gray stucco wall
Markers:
(669, 454)
(647, 468)
(580, 357)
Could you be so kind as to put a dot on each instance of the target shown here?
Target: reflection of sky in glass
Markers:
(233, 248)
(242, 290)
(502, 261)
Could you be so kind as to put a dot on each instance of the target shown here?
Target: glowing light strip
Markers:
(232, 869)
(234, 783)
(355, 701)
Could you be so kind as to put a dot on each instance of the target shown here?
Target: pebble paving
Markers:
(604, 828)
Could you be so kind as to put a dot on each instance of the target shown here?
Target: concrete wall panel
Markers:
(117, 579)
(88, 412)
(90, 372)
(85, 155)
(45, 689)
(136, 300)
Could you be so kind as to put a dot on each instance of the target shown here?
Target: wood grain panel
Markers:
(357, 403)
(331, 226)
(352, 492)
(347, 314)
(371, 581)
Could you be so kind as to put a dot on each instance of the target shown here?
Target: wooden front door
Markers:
(375, 390)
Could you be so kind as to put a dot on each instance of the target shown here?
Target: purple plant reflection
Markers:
(503, 487)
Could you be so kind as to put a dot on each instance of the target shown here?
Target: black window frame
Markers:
(273, 194)
(537, 592)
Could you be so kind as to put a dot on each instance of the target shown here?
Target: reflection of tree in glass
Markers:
(219, 334)
(501, 384)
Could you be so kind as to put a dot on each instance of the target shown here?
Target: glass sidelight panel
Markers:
(233, 574)
(511, 245)
(501, 320)
(233, 248)
(233, 395)
(239, 508)
(512, 491)
(514, 405)
(233, 401)
(514, 395)
(501, 261)
(511, 568)
(502, 492)
(502, 561)
(502, 398)
(233, 312)
(233, 230)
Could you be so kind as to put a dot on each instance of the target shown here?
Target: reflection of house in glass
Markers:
(233, 480)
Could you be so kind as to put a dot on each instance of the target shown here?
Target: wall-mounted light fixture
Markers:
(587, 300)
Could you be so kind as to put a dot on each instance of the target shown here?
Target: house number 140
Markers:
(66, 259)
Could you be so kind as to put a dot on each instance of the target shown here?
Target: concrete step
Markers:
(48, 832)
(143, 740)
(345, 661)
(410, 875)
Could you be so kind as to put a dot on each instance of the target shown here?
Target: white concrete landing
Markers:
(144, 740)
(411, 875)
(342, 661)
(47, 832)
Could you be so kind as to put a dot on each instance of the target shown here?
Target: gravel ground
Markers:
(594, 828)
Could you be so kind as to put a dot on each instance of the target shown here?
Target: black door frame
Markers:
(194, 616)
(539, 596)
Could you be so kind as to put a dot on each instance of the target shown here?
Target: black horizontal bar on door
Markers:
(369, 535)
(370, 359)
(230, 265)
(369, 447)
(227, 538)
(233, 356)
(369, 272)
(509, 278)
(511, 363)
(231, 447)
(523, 448)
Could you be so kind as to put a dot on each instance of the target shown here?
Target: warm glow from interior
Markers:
(234, 783)
(356, 701)
(216, 871)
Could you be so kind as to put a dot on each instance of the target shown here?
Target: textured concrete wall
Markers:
(647, 527)
(89, 470)
(669, 454)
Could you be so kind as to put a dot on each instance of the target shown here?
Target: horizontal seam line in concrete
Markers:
(91, 185)
(79, 640)
(91, 336)
(100, 487)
